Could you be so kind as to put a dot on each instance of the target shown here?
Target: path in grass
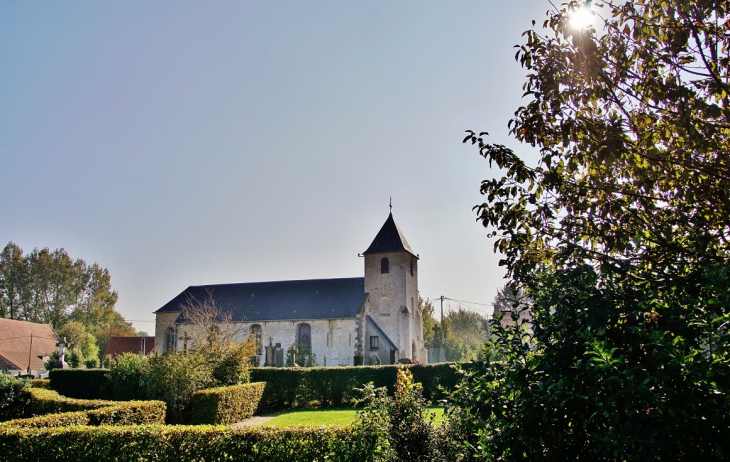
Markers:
(317, 417)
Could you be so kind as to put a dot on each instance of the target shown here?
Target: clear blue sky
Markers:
(184, 143)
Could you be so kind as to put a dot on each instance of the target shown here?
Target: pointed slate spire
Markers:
(389, 239)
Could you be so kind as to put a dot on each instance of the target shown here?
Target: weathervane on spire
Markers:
(390, 204)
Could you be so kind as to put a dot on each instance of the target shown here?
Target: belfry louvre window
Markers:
(384, 266)
(374, 342)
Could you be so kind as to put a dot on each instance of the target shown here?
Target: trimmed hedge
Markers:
(290, 387)
(336, 386)
(181, 443)
(226, 404)
(121, 413)
(44, 402)
(41, 383)
(80, 383)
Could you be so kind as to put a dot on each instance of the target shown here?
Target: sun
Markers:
(581, 18)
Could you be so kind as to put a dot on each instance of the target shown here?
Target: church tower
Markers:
(391, 280)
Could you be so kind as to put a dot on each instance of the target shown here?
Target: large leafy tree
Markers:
(620, 235)
(50, 287)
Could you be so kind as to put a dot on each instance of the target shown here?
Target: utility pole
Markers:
(30, 352)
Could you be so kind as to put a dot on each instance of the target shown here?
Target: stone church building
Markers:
(349, 321)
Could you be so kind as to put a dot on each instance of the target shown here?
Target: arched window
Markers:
(304, 337)
(384, 266)
(256, 335)
(170, 343)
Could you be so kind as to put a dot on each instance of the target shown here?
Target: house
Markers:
(119, 345)
(25, 346)
(348, 321)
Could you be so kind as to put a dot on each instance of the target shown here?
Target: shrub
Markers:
(14, 397)
(226, 404)
(80, 383)
(50, 402)
(179, 443)
(173, 378)
(233, 367)
(126, 413)
(41, 383)
(399, 428)
(125, 377)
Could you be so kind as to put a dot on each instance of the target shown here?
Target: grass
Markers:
(317, 417)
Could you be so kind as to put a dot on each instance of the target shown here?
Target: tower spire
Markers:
(390, 204)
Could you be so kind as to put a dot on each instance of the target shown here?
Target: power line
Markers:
(464, 301)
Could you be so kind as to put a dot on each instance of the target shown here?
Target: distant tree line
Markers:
(464, 332)
(76, 298)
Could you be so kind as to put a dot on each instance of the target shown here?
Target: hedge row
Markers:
(80, 383)
(121, 413)
(337, 386)
(226, 404)
(44, 402)
(289, 387)
(41, 383)
(181, 443)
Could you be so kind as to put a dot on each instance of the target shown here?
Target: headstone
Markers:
(278, 357)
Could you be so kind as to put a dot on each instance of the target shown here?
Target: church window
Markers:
(384, 266)
(256, 335)
(304, 337)
(170, 344)
(374, 342)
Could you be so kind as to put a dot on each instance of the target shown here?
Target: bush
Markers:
(14, 397)
(126, 413)
(50, 402)
(125, 377)
(399, 428)
(41, 383)
(173, 378)
(233, 367)
(179, 443)
(80, 383)
(226, 404)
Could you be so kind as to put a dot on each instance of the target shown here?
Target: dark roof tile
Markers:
(278, 300)
(389, 239)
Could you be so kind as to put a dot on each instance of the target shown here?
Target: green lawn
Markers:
(317, 417)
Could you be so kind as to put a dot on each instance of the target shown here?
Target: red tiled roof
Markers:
(121, 345)
(15, 343)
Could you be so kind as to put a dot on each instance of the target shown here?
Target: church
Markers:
(344, 322)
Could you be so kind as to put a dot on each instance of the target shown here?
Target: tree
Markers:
(430, 325)
(465, 335)
(620, 236)
(13, 274)
(84, 350)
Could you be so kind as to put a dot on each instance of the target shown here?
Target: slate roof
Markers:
(15, 344)
(389, 239)
(120, 345)
(278, 300)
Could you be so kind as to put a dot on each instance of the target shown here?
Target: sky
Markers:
(185, 143)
